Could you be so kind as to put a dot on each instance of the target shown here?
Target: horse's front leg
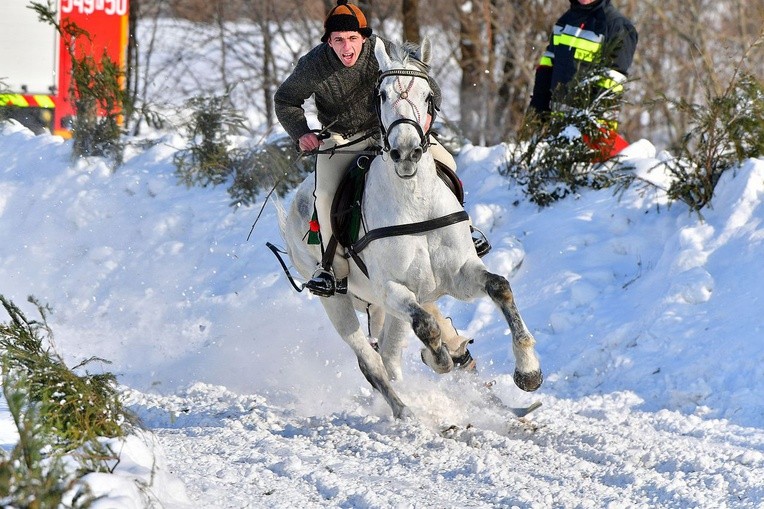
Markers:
(476, 280)
(528, 374)
(401, 302)
(340, 310)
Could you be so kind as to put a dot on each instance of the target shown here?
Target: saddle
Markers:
(346, 213)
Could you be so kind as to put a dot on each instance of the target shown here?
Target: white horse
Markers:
(408, 273)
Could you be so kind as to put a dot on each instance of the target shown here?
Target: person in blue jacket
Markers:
(590, 32)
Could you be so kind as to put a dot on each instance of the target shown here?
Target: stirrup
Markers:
(482, 246)
(322, 283)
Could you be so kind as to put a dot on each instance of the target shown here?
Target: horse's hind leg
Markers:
(376, 316)
(340, 310)
(391, 345)
(402, 303)
(391, 334)
(528, 375)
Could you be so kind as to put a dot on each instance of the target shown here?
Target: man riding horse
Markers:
(341, 74)
(416, 247)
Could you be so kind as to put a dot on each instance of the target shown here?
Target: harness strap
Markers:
(402, 229)
(424, 136)
(331, 248)
(402, 72)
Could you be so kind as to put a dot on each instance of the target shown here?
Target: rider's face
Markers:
(347, 46)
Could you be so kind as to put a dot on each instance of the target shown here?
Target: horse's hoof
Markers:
(404, 414)
(465, 362)
(529, 382)
(440, 363)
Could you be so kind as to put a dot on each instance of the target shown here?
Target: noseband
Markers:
(403, 96)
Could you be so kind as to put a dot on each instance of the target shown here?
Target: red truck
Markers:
(35, 64)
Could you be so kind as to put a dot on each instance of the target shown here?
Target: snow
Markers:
(647, 316)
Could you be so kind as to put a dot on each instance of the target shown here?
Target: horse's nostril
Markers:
(395, 155)
(416, 154)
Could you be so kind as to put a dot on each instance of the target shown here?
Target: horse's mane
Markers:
(405, 53)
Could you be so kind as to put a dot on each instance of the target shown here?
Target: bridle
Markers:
(407, 228)
(403, 96)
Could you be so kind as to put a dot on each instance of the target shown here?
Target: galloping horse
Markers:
(426, 254)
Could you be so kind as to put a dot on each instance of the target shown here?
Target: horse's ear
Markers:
(425, 51)
(381, 53)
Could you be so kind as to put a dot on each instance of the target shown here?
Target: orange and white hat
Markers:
(345, 17)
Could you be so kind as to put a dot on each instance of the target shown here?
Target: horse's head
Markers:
(405, 99)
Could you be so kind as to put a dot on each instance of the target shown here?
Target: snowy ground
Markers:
(648, 322)
(597, 451)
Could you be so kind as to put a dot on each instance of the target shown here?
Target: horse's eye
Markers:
(383, 95)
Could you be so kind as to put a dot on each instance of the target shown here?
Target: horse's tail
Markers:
(281, 214)
(294, 224)
(299, 211)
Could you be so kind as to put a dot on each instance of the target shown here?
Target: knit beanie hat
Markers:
(345, 18)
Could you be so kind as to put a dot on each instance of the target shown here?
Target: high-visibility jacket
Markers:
(577, 39)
